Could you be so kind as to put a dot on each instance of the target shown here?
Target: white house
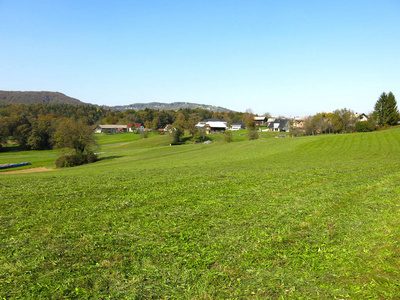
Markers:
(238, 126)
(279, 125)
(361, 117)
(212, 125)
(111, 128)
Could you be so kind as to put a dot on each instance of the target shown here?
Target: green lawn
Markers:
(293, 218)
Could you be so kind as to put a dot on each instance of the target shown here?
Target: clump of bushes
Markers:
(76, 159)
(199, 136)
(144, 134)
(364, 126)
(252, 134)
(228, 136)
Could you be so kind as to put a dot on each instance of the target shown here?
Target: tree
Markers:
(21, 135)
(40, 137)
(319, 123)
(191, 124)
(176, 134)
(3, 131)
(385, 111)
(248, 119)
(180, 122)
(343, 120)
(267, 115)
(78, 138)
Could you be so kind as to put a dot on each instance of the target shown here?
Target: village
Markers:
(213, 125)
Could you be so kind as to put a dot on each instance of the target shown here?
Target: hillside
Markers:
(16, 97)
(168, 106)
(314, 217)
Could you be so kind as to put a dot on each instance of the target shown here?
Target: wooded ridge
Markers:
(17, 97)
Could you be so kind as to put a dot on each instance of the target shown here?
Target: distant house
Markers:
(138, 127)
(298, 123)
(238, 126)
(110, 128)
(212, 125)
(270, 120)
(260, 120)
(279, 125)
(361, 117)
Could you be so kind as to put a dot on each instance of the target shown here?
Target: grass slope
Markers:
(312, 217)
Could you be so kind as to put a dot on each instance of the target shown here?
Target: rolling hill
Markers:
(46, 97)
(16, 97)
(168, 106)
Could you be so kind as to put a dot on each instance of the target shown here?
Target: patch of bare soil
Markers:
(31, 170)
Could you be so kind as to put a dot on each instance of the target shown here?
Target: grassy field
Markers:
(294, 218)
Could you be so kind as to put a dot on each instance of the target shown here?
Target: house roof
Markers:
(278, 123)
(260, 118)
(239, 124)
(360, 116)
(216, 124)
(109, 126)
(213, 123)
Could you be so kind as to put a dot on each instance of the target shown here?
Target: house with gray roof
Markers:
(279, 125)
(212, 125)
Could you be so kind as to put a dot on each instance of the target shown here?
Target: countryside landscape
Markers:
(199, 150)
(307, 217)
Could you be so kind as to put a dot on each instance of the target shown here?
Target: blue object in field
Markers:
(6, 166)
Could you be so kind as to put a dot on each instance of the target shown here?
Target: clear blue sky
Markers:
(291, 58)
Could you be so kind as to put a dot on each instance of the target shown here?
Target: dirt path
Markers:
(31, 170)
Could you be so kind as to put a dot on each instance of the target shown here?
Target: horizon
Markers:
(202, 104)
(294, 59)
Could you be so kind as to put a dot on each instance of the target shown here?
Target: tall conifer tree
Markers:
(386, 112)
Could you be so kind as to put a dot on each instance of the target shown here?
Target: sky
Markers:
(287, 58)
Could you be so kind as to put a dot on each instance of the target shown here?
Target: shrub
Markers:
(252, 134)
(144, 134)
(91, 157)
(364, 126)
(228, 137)
(76, 159)
(199, 136)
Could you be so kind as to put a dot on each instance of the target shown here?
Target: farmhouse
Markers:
(138, 127)
(260, 120)
(361, 117)
(110, 128)
(212, 125)
(279, 125)
(298, 123)
(238, 126)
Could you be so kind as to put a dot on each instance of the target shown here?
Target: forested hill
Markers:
(168, 106)
(37, 97)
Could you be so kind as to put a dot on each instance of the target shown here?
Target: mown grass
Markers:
(301, 218)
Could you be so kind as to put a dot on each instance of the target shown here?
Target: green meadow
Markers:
(275, 218)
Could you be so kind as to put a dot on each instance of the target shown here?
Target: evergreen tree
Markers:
(392, 112)
(385, 110)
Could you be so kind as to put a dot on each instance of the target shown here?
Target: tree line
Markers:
(344, 120)
(34, 126)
